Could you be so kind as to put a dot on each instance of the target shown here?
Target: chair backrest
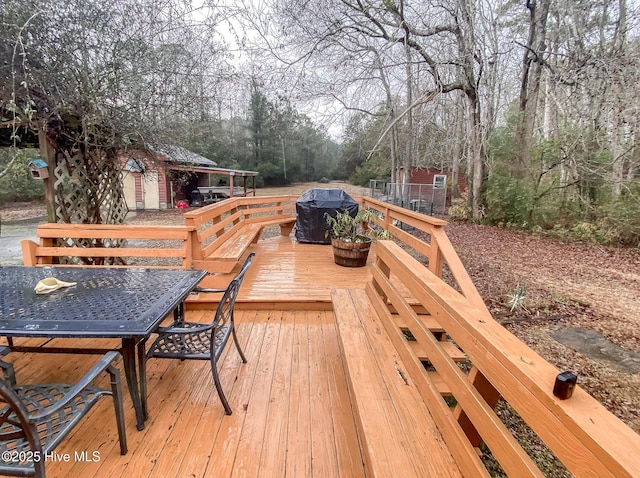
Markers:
(224, 312)
(18, 436)
(244, 268)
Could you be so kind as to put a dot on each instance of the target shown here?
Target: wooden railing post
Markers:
(192, 237)
(46, 242)
(29, 252)
(490, 395)
(436, 259)
(193, 243)
(386, 270)
(387, 219)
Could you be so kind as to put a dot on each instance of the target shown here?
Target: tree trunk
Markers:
(456, 150)
(530, 84)
(471, 56)
(474, 154)
(393, 134)
(409, 153)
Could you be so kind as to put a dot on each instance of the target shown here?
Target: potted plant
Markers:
(351, 237)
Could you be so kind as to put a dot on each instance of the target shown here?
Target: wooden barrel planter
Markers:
(350, 254)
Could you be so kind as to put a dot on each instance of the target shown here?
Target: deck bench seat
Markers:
(231, 250)
(384, 398)
(286, 222)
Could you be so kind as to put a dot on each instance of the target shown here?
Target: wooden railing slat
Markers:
(111, 252)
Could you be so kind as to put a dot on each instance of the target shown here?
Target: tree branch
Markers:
(425, 98)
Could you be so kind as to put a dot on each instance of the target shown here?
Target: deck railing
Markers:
(580, 432)
(431, 242)
(214, 224)
(208, 228)
(113, 245)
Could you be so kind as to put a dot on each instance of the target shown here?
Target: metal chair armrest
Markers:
(206, 289)
(8, 373)
(102, 366)
(184, 330)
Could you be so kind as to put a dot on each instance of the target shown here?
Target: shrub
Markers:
(508, 200)
(460, 210)
(560, 231)
(621, 221)
(376, 168)
(588, 232)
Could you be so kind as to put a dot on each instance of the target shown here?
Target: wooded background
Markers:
(536, 101)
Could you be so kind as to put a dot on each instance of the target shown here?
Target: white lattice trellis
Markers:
(89, 191)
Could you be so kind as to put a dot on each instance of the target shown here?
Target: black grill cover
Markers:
(311, 225)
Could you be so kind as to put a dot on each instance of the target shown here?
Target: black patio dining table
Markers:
(123, 303)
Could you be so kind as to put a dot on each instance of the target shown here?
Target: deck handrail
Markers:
(214, 224)
(92, 244)
(437, 248)
(583, 435)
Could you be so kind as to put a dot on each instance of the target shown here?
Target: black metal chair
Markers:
(197, 341)
(34, 419)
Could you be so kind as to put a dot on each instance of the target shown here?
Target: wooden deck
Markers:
(292, 412)
(292, 415)
(294, 408)
(287, 274)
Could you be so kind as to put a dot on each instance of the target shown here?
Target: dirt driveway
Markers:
(18, 221)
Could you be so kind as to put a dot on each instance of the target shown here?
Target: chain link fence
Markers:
(425, 198)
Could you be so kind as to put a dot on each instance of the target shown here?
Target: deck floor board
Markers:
(284, 270)
(299, 423)
(250, 445)
(276, 429)
(286, 274)
(322, 432)
(200, 455)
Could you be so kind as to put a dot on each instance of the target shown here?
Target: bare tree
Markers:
(432, 41)
(97, 79)
(532, 66)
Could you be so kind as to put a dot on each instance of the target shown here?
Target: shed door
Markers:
(129, 186)
(150, 190)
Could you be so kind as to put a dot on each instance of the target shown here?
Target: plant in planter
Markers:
(351, 237)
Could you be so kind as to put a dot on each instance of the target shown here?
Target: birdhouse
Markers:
(38, 169)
